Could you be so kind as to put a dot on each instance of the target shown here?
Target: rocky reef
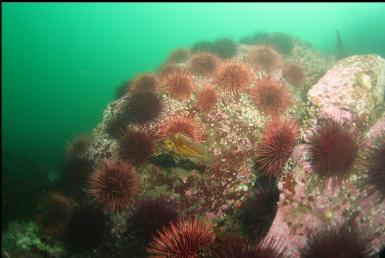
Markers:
(231, 141)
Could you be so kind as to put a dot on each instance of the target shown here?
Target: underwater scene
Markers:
(191, 130)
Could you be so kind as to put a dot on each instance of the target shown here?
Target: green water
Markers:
(62, 62)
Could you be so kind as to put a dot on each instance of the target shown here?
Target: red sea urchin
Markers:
(294, 74)
(270, 96)
(183, 239)
(376, 168)
(207, 99)
(234, 77)
(178, 84)
(113, 185)
(266, 57)
(204, 63)
(136, 147)
(278, 142)
(341, 240)
(333, 150)
(183, 125)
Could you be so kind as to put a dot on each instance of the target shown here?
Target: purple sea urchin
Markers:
(144, 107)
(204, 63)
(76, 167)
(333, 150)
(179, 55)
(78, 146)
(376, 168)
(342, 240)
(86, 230)
(57, 209)
(257, 212)
(266, 57)
(235, 247)
(144, 83)
(294, 74)
(136, 147)
(142, 224)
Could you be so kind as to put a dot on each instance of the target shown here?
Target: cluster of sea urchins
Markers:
(154, 225)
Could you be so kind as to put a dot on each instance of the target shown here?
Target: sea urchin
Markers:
(86, 230)
(270, 96)
(136, 147)
(278, 142)
(142, 224)
(235, 247)
(266, 57)
(113, 185)
(179, 55)
(376, 171)
(207, 99)
(234, 77)
(341, 240)
(57, 209)
(204, 63)
(257, 212)
(183, 239)
(333, 150)
(294, 74)
(144, 83)
(143, 107)
(178, 84)
(183, 125)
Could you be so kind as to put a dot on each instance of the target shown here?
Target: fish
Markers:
(340, 47)
(184, 146)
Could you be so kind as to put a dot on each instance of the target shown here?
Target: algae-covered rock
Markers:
(24, 238)
(377, 128)
(353, 90)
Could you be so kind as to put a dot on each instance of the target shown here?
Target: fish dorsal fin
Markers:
(183, 136)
